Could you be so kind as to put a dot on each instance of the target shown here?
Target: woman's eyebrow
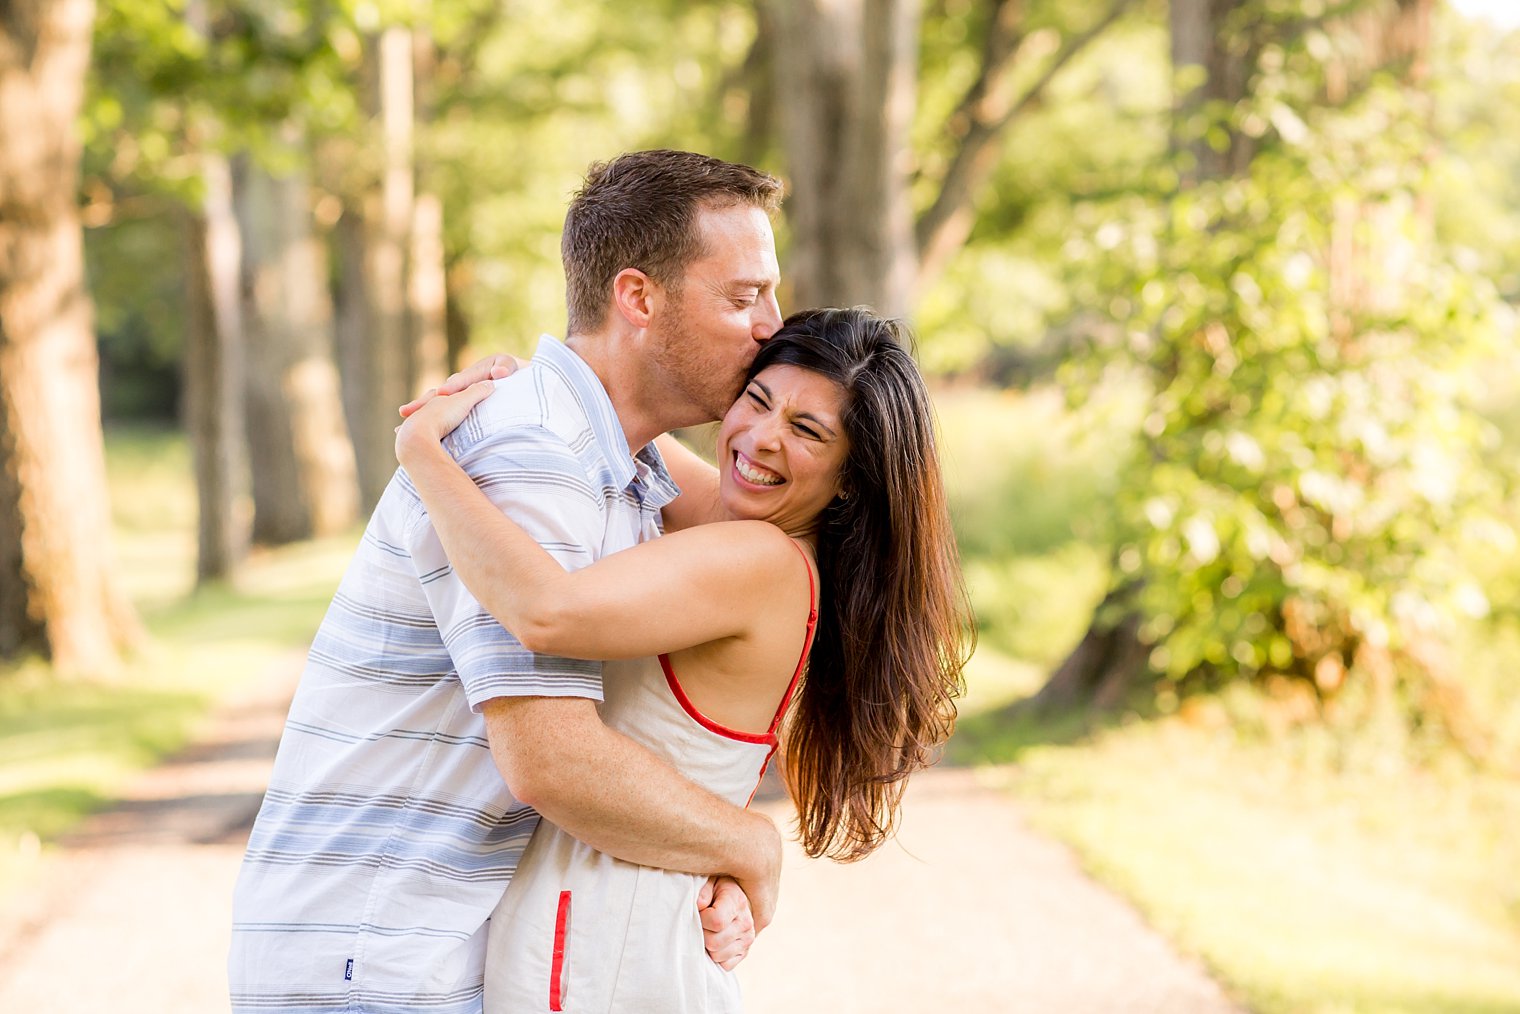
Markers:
(821, 424)
(800, 415)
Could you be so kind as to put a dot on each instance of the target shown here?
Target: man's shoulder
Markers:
(531, 408)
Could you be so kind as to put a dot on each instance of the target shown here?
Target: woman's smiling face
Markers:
(782, 447)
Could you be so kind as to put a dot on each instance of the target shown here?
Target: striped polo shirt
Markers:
(387, 834)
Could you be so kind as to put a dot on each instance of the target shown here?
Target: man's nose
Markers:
(768, 322)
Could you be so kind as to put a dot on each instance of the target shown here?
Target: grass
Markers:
(1305, 889)
(68, 746)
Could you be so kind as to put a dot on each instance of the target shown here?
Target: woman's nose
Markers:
(767, 433)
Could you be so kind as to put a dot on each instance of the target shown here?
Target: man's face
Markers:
(707, 331)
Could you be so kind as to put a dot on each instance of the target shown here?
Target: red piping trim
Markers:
(763, 738)
(767, 738)
(557, 966)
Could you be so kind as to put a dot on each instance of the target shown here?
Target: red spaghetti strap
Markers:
(807, 643)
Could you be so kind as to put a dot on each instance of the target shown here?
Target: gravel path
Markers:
(968, 911)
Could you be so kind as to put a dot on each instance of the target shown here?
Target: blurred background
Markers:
(1217, 298)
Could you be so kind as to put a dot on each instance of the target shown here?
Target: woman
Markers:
(826, 548)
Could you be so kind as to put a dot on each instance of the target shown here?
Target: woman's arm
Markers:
(687, 588)
(698, 503)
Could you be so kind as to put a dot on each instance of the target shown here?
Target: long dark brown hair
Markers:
(894, 626)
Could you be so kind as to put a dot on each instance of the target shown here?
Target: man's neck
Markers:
(642, 406)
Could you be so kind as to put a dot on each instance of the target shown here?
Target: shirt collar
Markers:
(658, 488)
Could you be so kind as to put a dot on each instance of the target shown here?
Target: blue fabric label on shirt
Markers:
(348, 971)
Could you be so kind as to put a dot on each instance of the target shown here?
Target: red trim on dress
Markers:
(763, 738)
(767, 738)
(557, 964)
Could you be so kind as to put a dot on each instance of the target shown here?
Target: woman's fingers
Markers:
(439, 415)
(490, 368)
(728, 926)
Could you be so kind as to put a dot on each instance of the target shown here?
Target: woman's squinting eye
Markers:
(755, 397)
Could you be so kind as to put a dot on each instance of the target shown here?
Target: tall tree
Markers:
(215, 373)
(846, 78)
(427, 282)
(60, 591)
(304, 480)
(1308, 464)
(375, 237)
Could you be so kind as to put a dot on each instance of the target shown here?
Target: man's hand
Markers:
(728, 926)
(762, 881)
(490, 368)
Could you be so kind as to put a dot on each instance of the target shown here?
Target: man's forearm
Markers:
(619, 798)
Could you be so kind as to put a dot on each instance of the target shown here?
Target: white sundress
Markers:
(581, 932)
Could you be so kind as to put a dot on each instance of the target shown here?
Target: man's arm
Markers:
(557, 756)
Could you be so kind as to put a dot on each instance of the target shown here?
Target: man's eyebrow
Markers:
(751, 283)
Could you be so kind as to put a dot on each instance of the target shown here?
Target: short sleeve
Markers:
(534, 478)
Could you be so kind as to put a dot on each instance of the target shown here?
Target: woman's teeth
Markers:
(757, 474)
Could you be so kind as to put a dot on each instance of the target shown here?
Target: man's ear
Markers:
(634, 295)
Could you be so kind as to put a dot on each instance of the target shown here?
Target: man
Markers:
(424, 741)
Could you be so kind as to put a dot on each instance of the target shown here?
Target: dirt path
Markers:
(968, 912)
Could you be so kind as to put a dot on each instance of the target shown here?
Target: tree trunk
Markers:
(458, 277)
(304, 478)
(846, 87)
(374, 236)
(1206, 34)
(214, 366)
(1203, 39)
(427, 297)
(1102, 668)
(60, 589)
(427, 288)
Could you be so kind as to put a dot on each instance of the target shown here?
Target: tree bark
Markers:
(979, 123)
(845, 88)
(214, 366)
(304, 476)
(1204, 38)
(427, 287)
(375, 236)
(846, 85)
(60, 588)
(1100, 671)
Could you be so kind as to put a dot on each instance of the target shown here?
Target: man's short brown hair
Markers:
(639, 211)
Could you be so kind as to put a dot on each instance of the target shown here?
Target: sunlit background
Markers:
(1217, 301)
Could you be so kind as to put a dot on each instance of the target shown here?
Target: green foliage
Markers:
(1006, 309)
(1312, 471)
